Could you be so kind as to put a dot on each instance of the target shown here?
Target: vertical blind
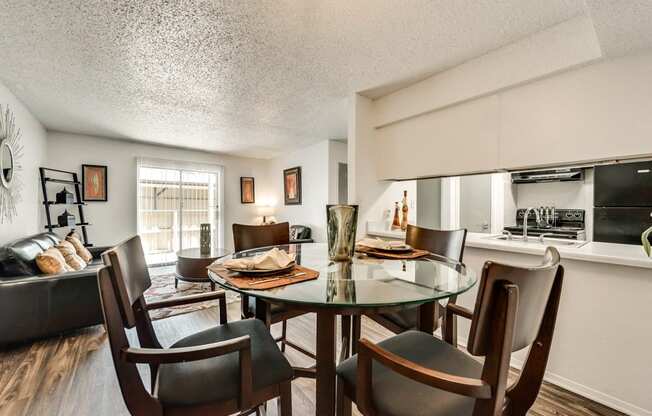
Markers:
(174, 198)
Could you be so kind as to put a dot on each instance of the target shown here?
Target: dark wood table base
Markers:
(326, 346)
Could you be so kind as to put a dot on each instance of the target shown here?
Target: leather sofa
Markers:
(300, 234)
(33, 305)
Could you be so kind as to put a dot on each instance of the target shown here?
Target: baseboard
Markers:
(582, 390)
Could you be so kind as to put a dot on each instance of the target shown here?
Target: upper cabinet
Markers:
(447, 142)
(599, 112)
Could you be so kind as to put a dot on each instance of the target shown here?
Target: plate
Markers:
(401, 249)
(260, 273)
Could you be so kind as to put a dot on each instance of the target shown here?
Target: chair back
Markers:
(131, 277)
(447, 243)
(136, 397)
(534, 288)
(246, 237)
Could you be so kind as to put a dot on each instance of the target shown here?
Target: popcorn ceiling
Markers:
(243, 77)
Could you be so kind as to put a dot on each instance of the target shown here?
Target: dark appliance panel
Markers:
(622, 225)
(623, 185)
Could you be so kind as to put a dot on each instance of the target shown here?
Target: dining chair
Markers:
(417, 374)
(443, 243)
(247, 237)
(232, 367)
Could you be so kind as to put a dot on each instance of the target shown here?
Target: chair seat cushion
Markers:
(396, 395)
(405, 318)
(218, 379)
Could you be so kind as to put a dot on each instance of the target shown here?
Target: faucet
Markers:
(525, 217)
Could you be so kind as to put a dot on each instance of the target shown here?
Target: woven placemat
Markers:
(413, 254)
(296, 275)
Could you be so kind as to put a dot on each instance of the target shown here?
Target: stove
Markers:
(559, 223)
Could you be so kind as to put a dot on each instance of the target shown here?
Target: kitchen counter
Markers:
(609, 253)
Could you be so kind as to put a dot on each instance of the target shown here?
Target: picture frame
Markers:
(247, 190)
(292, 185)
(95, 183)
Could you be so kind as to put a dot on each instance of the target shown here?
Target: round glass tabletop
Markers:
(365, 282)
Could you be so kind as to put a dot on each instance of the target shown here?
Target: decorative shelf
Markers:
(81, 224)
(47, 203)
(63, 203)
(73, 182)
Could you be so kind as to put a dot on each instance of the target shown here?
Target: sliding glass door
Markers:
(172, 203)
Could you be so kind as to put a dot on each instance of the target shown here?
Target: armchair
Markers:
(417, 374)
(199, 374)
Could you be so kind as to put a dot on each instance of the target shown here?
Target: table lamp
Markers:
(266, 211)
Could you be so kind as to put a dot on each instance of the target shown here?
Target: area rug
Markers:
(163, 288)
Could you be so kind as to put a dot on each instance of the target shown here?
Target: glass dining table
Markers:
(363, 286)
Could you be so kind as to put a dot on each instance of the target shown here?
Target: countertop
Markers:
(609, 253)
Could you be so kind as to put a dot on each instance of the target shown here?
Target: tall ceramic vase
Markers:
(204, 238)
(342, 222)
(645, 239)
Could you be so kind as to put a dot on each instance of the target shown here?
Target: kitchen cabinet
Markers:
(456, 140)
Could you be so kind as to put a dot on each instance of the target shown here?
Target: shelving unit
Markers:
(47, 203)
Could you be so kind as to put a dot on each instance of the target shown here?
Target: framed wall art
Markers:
(94, 183)
(292, 186)
(247, 190)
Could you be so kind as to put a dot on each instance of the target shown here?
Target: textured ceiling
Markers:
(244, 77)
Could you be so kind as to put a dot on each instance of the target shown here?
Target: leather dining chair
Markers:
(417, 374)
(232, 367)
(444, 243)
(247, 237)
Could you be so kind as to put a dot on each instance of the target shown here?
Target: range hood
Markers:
(555, 175)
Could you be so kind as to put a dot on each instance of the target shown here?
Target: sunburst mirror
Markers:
(11, 151)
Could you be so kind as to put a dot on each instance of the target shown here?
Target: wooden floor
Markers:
(74, 375)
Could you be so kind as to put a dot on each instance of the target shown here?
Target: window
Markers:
(173, 200)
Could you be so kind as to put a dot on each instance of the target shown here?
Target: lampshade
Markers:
(265, 210)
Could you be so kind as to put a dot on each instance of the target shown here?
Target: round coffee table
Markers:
(191, 265)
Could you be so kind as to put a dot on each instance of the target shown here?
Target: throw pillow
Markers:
(79, 248)
(70, 255)
(52, 262)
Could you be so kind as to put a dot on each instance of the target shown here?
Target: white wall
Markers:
(475, 203)
(337, 153)
(30, 210)
(314, 163)
(429, 203)
(115, 220)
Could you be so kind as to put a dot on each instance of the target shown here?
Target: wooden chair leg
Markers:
(355, 333)
(285, 400)
(343, 403)
(284, 334)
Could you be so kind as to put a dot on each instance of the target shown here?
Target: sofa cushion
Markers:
(19, 257)
(70, 255)
(79, 247)
(51, 261)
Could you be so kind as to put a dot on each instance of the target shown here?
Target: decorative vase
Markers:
(64, 197)
(396, 222)
(645, 239)
(204, 238)
(404, 209)
(342, 222)
(66, 219)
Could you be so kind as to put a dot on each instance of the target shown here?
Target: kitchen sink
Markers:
(534, 240)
